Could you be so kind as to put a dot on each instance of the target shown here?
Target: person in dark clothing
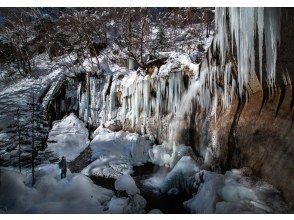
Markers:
(62, 166)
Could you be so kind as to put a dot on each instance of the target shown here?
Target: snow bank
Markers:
(131, 205)
(74, 194)
(115, 153)
(126, 183)
(234, 192)
(68, 137)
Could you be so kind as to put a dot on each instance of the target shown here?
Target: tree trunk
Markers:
(19, 147)
(33, 141)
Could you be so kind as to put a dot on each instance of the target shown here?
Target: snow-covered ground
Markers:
(68, 137)
(115, 153)
(74, 194)
(176, 60)
(235, 192)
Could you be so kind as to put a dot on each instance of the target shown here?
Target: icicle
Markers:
(146, 95)
(221, 39)
(272, 36)
(260, 25)
(234, 26)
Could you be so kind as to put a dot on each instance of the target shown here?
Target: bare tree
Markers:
(19, 139)
(17, 32)
(208, 17)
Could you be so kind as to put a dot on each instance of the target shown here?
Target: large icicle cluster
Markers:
(221, 76)
(238, 31)
(129, 96)
(155, 96)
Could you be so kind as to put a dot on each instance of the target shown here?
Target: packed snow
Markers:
(115, 153)
(177, 61)
(68, 137)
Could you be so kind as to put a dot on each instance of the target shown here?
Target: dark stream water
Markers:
(170, 204)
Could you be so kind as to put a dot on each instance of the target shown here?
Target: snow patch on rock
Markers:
(126, 183)
(115, 153)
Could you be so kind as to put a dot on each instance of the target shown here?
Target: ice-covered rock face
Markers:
(18, 96)
(160, 154)
(234, 192)
(178, 167)
(115, 153)
(120, 94)
(68, 137)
